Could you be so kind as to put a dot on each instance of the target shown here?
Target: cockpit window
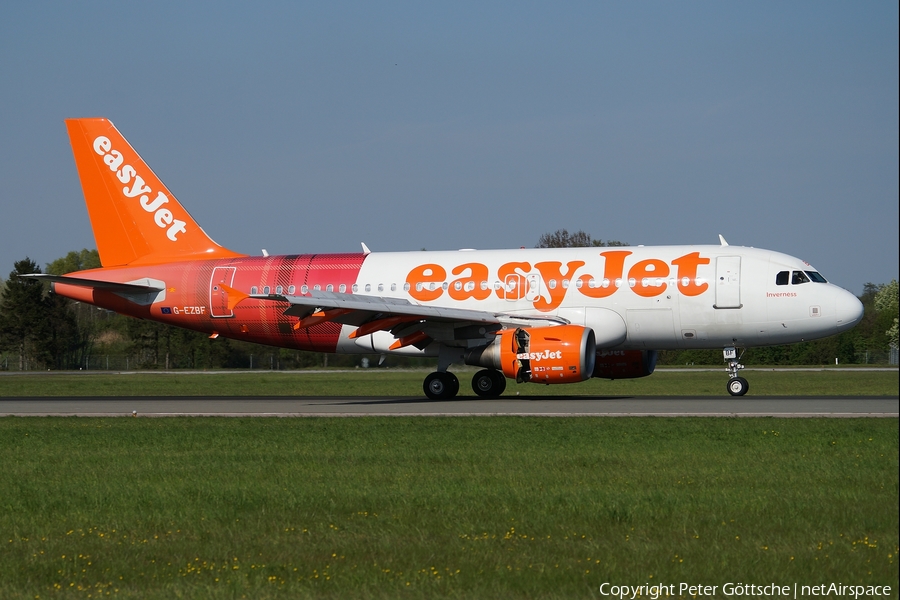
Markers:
(816, 277)
(799, 277)
(782, 277)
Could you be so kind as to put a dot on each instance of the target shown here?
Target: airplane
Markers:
(539, 315)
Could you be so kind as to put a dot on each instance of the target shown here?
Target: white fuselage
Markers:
(654, 297)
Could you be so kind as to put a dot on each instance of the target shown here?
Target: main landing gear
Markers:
(488, 383)
(443, 385)
(737, 386)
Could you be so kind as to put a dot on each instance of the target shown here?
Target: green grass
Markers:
(429, 507)
(409, 383)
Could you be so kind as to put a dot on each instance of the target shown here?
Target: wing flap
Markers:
(361, 308)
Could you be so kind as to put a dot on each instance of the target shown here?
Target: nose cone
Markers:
(848, 310)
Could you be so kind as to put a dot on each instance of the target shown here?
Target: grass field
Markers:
(429, 507)
(409, 383)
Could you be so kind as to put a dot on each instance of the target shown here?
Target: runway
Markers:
(557, 406)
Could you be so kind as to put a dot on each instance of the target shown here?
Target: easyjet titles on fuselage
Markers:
(647, 278)
(163, 217)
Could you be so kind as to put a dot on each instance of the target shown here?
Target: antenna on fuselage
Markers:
(722, 240)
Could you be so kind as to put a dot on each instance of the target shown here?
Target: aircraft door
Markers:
(516, 287)
(512, 287)
(533, 287)
(728, 282)
(218, 298)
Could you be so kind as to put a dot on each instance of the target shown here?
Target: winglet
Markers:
(135, 218)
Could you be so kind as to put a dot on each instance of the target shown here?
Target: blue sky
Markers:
(310, 127)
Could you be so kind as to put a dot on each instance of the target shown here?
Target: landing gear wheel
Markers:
(488, 383)
(441, 386)
(738, 386)
(454, 385)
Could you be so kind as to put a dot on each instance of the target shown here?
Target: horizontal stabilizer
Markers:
(110, 286)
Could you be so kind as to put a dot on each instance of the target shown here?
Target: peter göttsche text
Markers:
(742, 590)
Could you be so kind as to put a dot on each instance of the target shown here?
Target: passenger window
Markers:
(368, 287)
(343, 288)
(279, 290)
(254, 290)
(317, 287)
(329, 288)
(304, 289)
(291, 290)
(266, 290)
(354, 288)
(380, 287)
(799, 277)
(393, 287)
(782, 278)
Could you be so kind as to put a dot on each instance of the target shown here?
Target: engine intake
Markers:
(561, 354)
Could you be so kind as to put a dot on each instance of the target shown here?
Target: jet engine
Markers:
(624, 364)
(560, 354)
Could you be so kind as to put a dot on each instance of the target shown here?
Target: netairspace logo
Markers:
(743, 590)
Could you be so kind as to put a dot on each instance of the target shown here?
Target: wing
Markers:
(411, 324)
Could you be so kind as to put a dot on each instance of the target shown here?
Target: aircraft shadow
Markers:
(465, 399)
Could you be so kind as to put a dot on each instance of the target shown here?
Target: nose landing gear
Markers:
(737, 386)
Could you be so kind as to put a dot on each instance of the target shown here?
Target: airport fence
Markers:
(273, 361)
(120, 362)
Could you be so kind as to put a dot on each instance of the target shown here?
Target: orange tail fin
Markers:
(134, 217)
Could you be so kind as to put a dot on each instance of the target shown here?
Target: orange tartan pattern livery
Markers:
(197, 296)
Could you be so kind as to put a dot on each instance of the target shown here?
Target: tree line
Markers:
(40, 330)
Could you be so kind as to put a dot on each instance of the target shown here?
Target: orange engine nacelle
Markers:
(624, 364)
(562, 354)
